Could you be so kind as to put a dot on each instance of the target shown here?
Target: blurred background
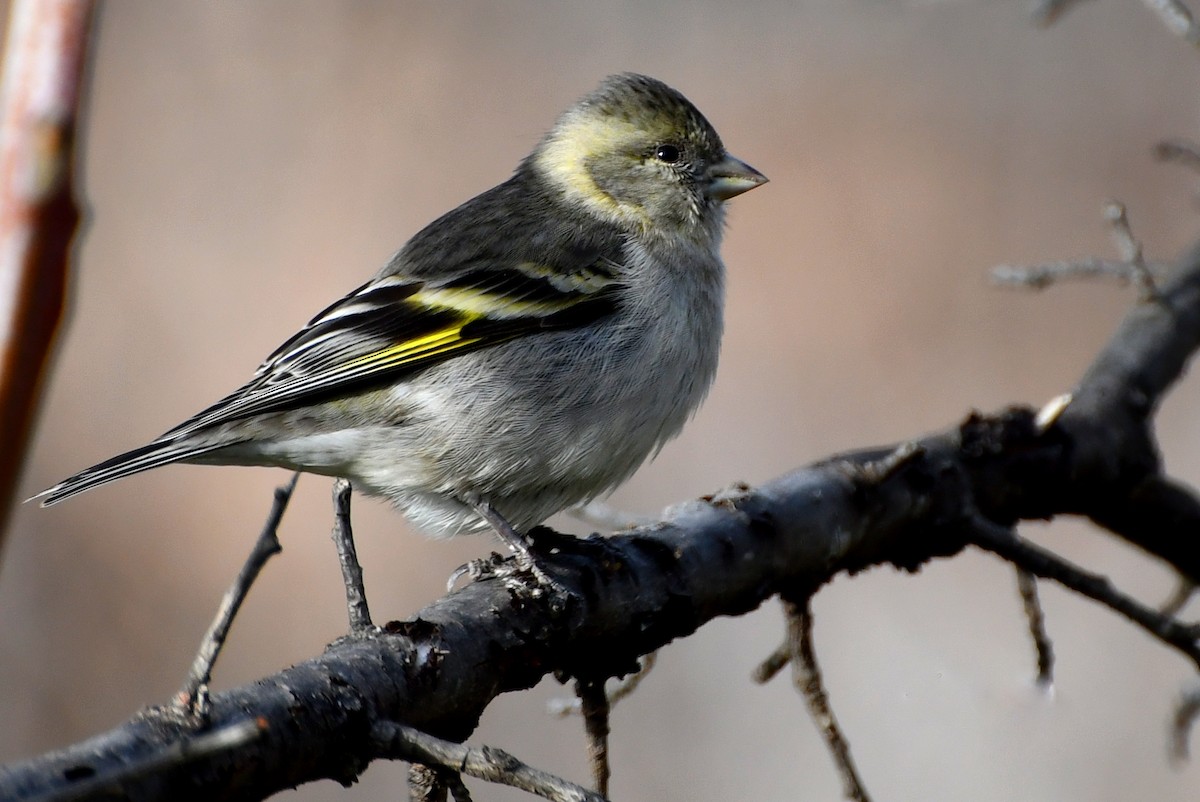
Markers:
(248, 162)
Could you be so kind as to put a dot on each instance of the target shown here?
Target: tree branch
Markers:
(722, 555)
(719, 556)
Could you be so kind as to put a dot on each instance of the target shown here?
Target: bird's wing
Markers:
(395, 325)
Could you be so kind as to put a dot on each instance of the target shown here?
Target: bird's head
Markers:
(637, 152)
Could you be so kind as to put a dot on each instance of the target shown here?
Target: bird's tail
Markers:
(160, 452)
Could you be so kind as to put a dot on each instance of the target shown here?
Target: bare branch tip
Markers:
(1186, 712)
(1178, 19)
(775, 662)
(1174, 604)
(1043, 646)
(1052, 411)
(1181, 151)
(806, 676)
(1130, 249)
(1047, 12)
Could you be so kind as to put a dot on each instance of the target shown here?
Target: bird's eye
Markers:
(667, 154)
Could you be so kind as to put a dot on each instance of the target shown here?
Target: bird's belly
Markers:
(532, 447)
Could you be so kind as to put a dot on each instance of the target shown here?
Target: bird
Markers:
(523, 353)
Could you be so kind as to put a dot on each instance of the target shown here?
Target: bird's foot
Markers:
(522, 574)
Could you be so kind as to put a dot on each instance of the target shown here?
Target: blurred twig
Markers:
(44, 63)
(1047, 12)
(1130, 248)
(1132, 267)
(1177, 17)
(1173, 13)
(1184, 590)
(1186, 712)
(1179, 150)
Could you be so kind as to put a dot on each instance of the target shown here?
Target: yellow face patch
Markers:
(564, 157)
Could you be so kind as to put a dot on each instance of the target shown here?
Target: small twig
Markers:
(1131, 268)
(620, 690)
(1186, 713)
(631, 683)
(595, 708)
(425, 784)
(178, 755)
(1178, 150)
(1039, 277)
(1027, 587)
(194, 694)
(458, 789)
(1130, 249)
(773, 664)
(352, 576)
(1047, 12)
(1007, 544)
(435, 784)
(806, 676)
(399, 742)
(1178, 19)
(1184, 590)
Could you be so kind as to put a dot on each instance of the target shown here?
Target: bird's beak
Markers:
(731, 177)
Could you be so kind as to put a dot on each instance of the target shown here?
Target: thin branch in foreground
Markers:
(45, 65)
(398, 742)
(594, 705)
(352, 576)
(1006, 544)
(1027, 587)
(194, 694)
(806, 676)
